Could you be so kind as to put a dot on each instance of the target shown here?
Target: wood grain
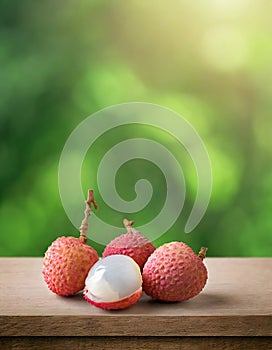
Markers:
(136, 343)
(235, 302)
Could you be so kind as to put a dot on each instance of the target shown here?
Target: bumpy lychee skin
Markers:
(133, 244)
(174, 272)
(68, 260)
(66, 265)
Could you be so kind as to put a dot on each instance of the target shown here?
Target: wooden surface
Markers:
(136, 343)
(237, 301)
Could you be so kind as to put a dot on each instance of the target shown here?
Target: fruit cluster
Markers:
(130, 264)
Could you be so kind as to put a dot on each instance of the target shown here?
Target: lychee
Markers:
(68, 259)
(114, 282)
(173, 272)
(132, 243)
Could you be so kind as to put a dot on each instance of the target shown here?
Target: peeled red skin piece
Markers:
(115, 305)
(174, 273)
(66, 265)
(134, 245)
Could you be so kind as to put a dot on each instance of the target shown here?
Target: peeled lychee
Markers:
(174, 272)
(114, 282)
(68, 259)
(132, 243)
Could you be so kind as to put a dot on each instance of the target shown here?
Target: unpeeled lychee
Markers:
(174, 272)
(114, 282)
(132, 243)
(68, 259)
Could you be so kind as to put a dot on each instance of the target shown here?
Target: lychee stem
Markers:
(202, 253)
(84, 224)
(128, 225)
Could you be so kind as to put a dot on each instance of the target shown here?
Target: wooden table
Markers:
(234, 311)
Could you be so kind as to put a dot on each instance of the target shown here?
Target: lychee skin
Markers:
(174, 273)
(66, 265)
(115, 305)
(135, 245)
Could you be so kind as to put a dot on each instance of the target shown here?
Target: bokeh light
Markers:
(210, 62)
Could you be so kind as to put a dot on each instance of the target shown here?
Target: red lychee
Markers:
(113, 283)
(174, 272)
(68, 259)
(132, 243)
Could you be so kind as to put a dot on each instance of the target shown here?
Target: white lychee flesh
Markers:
(113, 279)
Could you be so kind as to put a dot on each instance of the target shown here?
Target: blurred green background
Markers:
(209, 60)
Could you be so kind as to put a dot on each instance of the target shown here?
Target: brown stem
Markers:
(202, 253)
(128, 225)
(84, 224)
